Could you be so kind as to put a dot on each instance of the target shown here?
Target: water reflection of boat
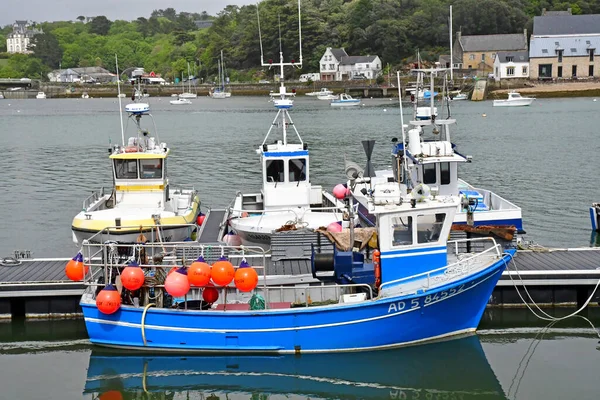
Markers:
(451, 369)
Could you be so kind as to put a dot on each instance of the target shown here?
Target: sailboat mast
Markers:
(451, 56)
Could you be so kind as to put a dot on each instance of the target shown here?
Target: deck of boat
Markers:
(552, 276)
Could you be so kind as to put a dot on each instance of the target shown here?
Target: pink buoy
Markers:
(232, 239)
(177, 283)
(334, 227)
(340, 191)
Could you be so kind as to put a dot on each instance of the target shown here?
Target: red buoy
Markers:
(177, 283)
(245, 278)
(199, 272)
(108, 300)
(210, 294)
(132, 277)
(222, 272)
(75, 269)
(200, 219)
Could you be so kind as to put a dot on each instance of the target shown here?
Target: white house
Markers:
(86, 74)
(511, 64)
(19, 39)
(337, 65)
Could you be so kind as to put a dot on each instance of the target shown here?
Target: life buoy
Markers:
(131, 149)
(377, 267)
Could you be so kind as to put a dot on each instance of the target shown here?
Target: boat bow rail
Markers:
(466, 265)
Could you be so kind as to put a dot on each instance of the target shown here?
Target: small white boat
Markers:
(345, 100)
(322, 92)
(121, 95)
(188, 95)
(460, 96)
(220, 92)
(514, 100)
(85, 95)
(328, 97)
(180, 102)
(40, 95)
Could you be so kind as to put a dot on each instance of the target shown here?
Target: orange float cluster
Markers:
(178, 281)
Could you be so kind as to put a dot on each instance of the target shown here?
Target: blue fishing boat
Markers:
(427, 371)
(408, 285)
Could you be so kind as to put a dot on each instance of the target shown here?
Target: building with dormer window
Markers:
(19, 40)
(565, 46)
(337, 65)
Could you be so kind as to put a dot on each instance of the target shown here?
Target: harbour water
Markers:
(541, 157)
(514, 356)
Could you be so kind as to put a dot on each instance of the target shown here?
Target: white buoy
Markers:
(483, 115)
(594, 99)
(384, 110)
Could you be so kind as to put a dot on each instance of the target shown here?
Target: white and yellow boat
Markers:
(141, 200)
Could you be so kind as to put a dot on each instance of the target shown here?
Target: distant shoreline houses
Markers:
(562, 47)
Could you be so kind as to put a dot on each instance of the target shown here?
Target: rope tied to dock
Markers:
(544, 315)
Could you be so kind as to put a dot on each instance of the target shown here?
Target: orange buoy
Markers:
(200, 219)
(246, 277)
(377, 267)
(108, 300)
(177, 283)
(132, 277)
(75, 269)
(111, 395)
(199, 272)
(222, 272)
(210, 294)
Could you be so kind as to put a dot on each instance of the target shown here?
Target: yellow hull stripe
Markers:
(137, 156)
(138, 188)
(134, 225)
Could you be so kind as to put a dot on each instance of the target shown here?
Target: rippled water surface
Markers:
(542, 157)
(514, 356)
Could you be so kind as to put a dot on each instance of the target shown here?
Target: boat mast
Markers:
(283, 103)
(451, 56)
(120, 104)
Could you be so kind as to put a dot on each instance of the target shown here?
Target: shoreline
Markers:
(551, 90)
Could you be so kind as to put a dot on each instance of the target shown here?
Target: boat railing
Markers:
(108, 259)
(112, 255)
(303, 210)
(91, 199)
(313, 295)
(462, 267)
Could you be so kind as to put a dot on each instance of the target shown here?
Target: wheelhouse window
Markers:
(297, 170)
(151, 168)
(445, 173)
(275, 171)
(126, 169)
(429, 173)
(429, 227)
(402, 231)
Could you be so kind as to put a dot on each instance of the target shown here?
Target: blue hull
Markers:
(431, 369)
(452, 309)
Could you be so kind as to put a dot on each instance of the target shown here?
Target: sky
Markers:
(66, 10)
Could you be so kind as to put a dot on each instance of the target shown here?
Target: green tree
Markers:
(46, 48)
(100, 25)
